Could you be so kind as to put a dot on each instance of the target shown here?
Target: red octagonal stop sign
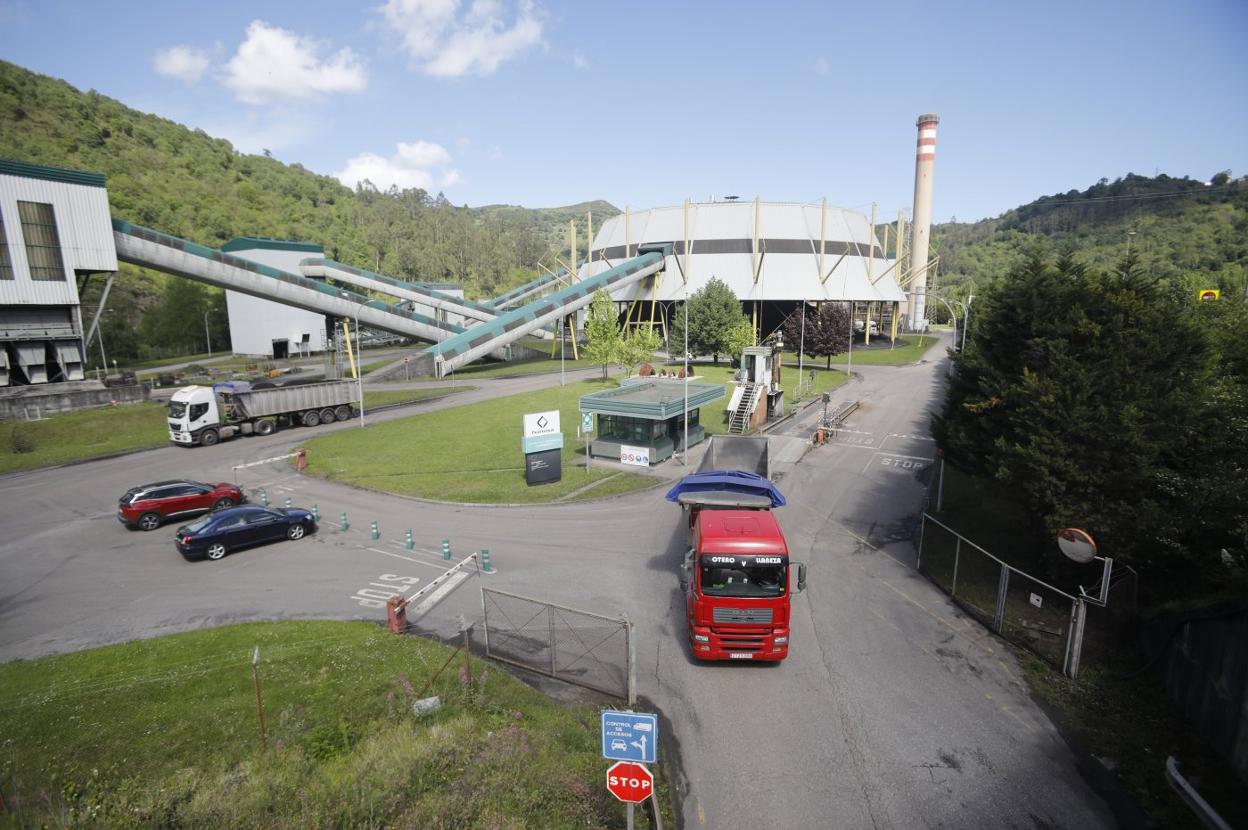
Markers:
(630, 782)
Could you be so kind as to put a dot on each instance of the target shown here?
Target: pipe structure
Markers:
(920, 225)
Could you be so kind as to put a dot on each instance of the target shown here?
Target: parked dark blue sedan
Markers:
(216, 534)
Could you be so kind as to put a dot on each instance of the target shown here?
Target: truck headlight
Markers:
(781, 641)
(701, 638)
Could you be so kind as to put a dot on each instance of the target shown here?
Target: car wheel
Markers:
(222, 503)
(295, 532)
(215, 551)
(343, 412)
(265, 427)
(149, 521)
(208, 437)
(327, 416)
(311, 418)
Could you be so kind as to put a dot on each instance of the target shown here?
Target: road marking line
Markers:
(436, 597)
(407, 559)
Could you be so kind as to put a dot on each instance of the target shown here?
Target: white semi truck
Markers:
(206, 414)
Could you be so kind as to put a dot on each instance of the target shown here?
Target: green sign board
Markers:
(587, 422)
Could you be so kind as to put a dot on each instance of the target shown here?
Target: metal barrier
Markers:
(568, 644)
(1014, 604)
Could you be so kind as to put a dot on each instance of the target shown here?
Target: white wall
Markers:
(256, 323)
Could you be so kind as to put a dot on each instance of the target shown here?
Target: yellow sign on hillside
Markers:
(1205, 294)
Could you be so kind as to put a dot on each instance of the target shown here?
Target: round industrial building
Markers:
(773, 255)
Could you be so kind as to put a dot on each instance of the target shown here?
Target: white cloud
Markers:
(496, 153)
(274, 64)
(447, 41)
(416, 164)
(822, 67)
(181, 62)
(580, 61)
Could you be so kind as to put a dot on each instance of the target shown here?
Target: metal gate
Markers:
(571, 645)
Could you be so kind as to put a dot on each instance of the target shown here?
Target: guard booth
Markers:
(650, 414)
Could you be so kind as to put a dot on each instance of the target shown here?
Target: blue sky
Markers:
(543, 103)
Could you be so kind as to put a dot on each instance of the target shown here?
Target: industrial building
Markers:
(773, 255)
(54, 233)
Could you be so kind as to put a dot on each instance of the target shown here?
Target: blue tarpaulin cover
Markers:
(232, 386)
(729, 481)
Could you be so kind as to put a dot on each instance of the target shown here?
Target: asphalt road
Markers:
(893, 709)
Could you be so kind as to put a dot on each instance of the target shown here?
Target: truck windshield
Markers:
(753, 581)
(177, 409)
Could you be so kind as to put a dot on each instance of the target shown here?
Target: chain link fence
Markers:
(571, 645)
(1014, 604)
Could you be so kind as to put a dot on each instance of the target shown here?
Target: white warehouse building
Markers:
(54, 230)
(772, 255)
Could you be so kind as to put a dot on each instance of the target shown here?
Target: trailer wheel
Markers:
(343, 412)
(327, 415)
(265, 427)
(208, 437)
(311, 418)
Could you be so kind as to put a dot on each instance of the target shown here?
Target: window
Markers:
(198, 410)
(261, 518)
(177, 409)
(630, 430)
(6, 264)
(43, 245)
(748, 581)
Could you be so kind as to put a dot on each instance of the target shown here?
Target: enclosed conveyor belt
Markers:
(517, 295)
(464, 348)
(150, 249)
(329, 269)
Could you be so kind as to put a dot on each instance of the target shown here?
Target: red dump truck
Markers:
(738, 578)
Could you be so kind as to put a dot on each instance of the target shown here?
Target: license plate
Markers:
(738, 655)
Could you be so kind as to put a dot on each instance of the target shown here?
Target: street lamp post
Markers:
(954, 317)
(207, 336)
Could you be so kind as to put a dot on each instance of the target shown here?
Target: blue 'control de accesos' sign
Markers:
(630, 736)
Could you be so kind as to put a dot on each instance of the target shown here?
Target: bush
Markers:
(20, 442)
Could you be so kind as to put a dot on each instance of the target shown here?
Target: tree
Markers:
(714, 311)
(637, 348)
(602, 331)
(826, 332)
(1082, 393)
(738, 337)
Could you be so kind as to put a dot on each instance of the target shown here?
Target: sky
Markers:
(542, 103)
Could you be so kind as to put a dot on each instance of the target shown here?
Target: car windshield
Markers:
(177, 409)
(201, 523)
(743, 581)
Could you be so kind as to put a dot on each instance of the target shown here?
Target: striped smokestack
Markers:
(920, 227)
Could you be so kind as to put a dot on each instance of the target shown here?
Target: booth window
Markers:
(6, 264)
(43, 244)
(631, 430)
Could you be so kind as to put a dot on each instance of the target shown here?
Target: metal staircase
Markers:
(739, 421)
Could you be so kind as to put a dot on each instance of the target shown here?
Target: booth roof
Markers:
(654, 400)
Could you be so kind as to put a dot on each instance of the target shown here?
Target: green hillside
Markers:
(1183, 232)
(185, 182)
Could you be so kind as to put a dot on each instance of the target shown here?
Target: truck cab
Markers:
(738, 586)
(191, 410)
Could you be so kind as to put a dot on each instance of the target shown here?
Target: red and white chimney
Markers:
(921, 225)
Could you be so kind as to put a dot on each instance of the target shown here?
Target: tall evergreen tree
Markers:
(1079, 392)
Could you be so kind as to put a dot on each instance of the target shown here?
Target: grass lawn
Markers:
(387, 397)
(164, 732)
(468, 453)
(908, 349)
(88, 433)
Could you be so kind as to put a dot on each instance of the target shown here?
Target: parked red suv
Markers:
(146, 506)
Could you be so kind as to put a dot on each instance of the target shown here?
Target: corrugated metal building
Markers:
(771, 254)
(55, 229)
(263, 327)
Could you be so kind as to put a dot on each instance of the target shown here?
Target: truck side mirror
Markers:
(686, 569)
(801, 576)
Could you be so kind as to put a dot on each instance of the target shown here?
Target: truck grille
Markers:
(757, 616)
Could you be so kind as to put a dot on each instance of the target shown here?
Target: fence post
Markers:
(1076, 638)
(957, 551)
(485, 622)
(1003, 587)
(918, 559)
(550, 622)
(940, 487)
(632, 663)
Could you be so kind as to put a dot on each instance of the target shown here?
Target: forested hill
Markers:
(1181, 230)
(185, 182)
